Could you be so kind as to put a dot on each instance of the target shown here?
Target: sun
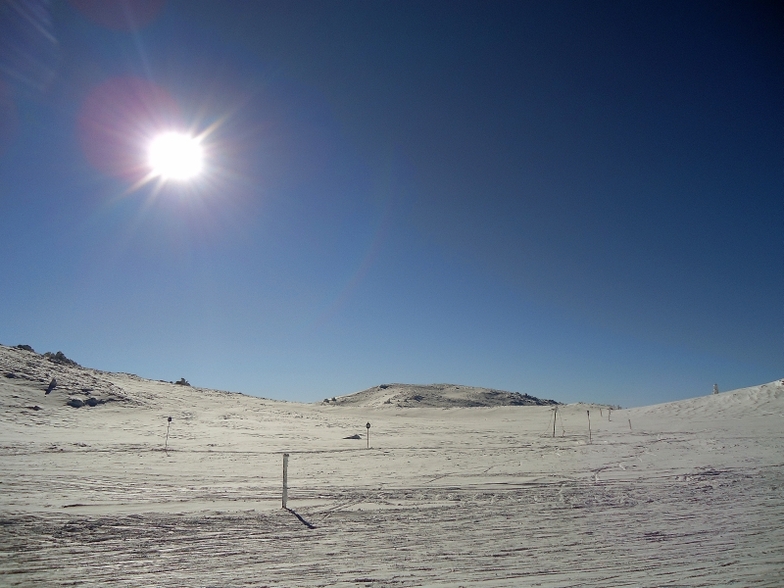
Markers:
(175, 156)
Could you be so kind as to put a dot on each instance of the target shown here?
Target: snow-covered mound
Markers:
(51, 381)
(436, 396)
(762, 400)
(54, 379)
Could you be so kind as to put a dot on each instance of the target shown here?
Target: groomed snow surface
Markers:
(688, 493)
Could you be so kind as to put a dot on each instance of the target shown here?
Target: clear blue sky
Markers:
(576, 200)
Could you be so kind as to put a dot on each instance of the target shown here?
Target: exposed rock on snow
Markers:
(437, 396)
(58, 377)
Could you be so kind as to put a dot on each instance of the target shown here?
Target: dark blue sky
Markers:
(581, 201)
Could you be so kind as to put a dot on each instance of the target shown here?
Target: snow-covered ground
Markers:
(688, 493)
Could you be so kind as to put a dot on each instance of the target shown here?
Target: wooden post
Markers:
(630, 424)
(589, 425)
(555, 415)
(367, 437)
(285, 479)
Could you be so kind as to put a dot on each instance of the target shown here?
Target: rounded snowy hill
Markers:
(755, 401)
(436, 396)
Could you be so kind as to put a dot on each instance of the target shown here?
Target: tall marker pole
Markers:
(166, 443)
(589, 425)
(555, 416)
(367, 426)
(285, 479)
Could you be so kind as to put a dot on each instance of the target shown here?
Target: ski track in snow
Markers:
(709, 528)
(692, 496)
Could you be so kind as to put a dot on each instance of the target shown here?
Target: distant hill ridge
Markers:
(436, 396)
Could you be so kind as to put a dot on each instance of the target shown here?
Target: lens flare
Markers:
(117, 120)
(175, 156)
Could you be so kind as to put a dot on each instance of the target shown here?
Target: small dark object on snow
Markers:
(92, 401)
(182, 382)
(52, 385)
(75, 402)
(10, 375)
(357, 436)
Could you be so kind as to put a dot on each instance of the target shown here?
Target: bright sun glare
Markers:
(175, 156)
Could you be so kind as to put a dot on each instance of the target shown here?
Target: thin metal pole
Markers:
(555, 416)
(285, 479)
(589, 425)
(166, 443)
